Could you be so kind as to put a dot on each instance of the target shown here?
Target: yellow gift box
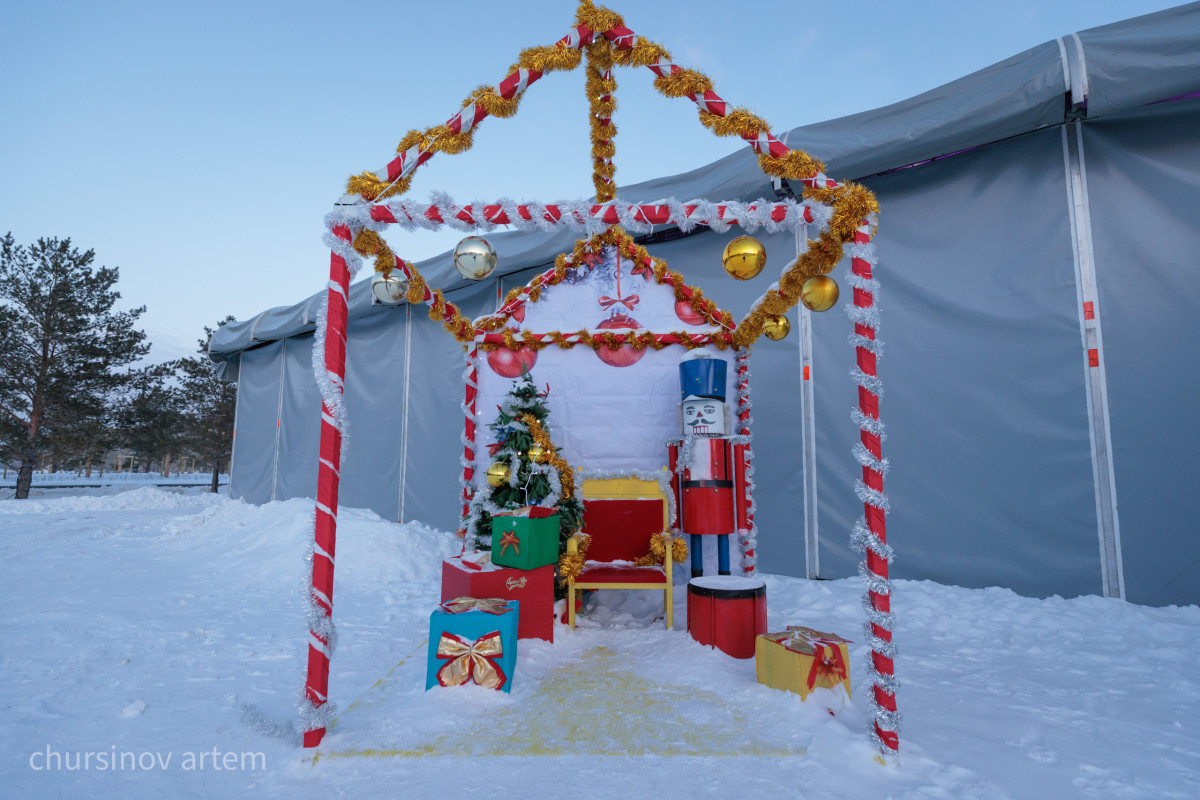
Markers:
(802, 659)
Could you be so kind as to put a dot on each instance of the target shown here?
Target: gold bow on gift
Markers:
(471, 660)
(492, 605)
(510, 539)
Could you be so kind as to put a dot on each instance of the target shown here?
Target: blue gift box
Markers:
(465, 644)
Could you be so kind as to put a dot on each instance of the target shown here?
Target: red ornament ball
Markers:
(624, 355)
(687, 314)
(511, 363)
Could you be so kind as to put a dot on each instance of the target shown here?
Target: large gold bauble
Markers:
(819, 293)
(776, 326)
(475, 258)
(389, 289)
(538, 454)
(497, 475)
(744, 257)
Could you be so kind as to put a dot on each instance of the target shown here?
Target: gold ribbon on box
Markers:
(471, 660)
(490, 605)
(823, 647)
(510, 539)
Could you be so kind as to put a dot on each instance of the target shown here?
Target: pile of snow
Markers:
(141, 626)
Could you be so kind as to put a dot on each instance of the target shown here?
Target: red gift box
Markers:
(533, 588)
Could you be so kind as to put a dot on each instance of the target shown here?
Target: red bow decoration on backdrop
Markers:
(469, 660)
(509, 539)
(645, 271)
(629, 302)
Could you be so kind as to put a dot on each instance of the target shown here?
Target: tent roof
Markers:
(1090, 74)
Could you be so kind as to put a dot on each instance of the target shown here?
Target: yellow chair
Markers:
(620, 517)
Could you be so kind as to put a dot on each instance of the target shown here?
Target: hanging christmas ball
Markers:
(475, 258)
(389, 289)
(776, 326)
(625, 355)
(744, 257)
(819, 293)
(538, 454)
(497, 475)
(687, 314)
(511, 363)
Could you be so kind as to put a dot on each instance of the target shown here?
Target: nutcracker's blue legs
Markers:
(723, 554)
(697, 555)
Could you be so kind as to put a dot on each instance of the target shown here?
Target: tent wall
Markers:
(997, 424)
(1143, 173)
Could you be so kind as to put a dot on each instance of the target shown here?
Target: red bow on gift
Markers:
(823, 647)
(471, 660)
(629, 302)
(509, 539)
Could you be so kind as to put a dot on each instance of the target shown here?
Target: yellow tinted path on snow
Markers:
(597, 705)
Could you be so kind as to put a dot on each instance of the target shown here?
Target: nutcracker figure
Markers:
(707, 469)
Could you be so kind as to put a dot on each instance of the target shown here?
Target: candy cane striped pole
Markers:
(325, 532)
(743, 456)
(468, 456)
(870, 534)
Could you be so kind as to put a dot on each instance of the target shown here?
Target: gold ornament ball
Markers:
(475, 258)
(776, 326)
(538, 454)
(744, 257)
(389, 289)
(497, 475)
(819, 293)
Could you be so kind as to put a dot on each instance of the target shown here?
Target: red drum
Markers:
(707, 488)
(727, 612)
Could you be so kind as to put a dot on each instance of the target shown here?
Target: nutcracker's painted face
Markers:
(703, 416)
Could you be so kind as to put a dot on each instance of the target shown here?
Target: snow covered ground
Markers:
(151, 636)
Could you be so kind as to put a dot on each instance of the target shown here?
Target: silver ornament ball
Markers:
(389, 289)
(475, 258)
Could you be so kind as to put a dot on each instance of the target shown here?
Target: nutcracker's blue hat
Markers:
(701, 375)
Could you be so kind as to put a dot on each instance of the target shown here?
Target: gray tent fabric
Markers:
(1144, 186)
(992, 421)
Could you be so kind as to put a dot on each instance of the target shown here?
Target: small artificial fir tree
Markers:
(530, 483)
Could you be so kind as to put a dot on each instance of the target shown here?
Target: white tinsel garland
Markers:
(585, 215)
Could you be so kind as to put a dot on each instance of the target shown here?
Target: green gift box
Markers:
(524, 541)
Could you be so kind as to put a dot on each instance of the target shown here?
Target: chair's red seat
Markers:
(620, 573)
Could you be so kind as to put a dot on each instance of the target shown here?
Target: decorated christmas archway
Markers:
(843, 214)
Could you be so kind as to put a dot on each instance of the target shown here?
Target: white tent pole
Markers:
(1095, 382)
(405, 405)
(279, 416)
(812, 555)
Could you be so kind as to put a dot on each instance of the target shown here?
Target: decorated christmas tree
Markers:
(526, 468)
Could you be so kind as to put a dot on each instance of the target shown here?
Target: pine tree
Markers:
(530, 483)
(150, 418)
(62, 345)
(209, 403)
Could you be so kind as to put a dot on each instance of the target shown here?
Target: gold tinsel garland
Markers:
(852, 204)
(571, 564)
(658, 550)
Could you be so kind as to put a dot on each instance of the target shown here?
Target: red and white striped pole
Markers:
(325, 532)
(870, 535)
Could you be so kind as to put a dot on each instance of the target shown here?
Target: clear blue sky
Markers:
(197, 146)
